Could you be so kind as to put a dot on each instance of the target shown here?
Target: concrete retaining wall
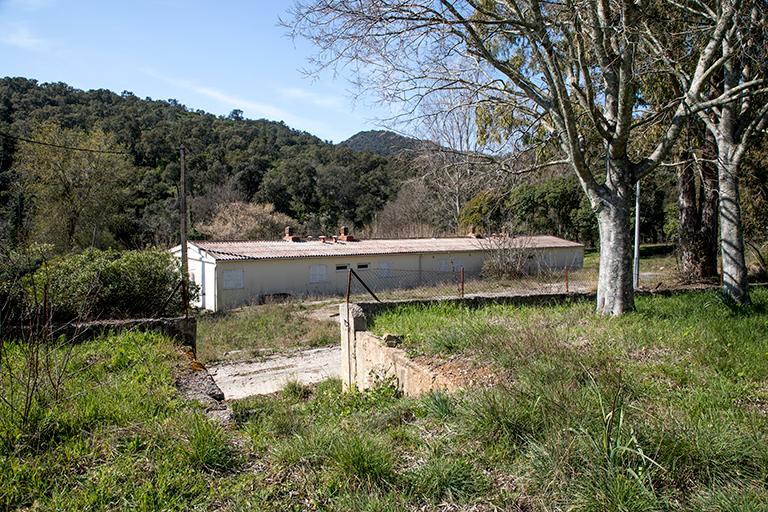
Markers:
(366, 359)
(183, 330)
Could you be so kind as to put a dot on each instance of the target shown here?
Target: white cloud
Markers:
(252, 109)
(21, 37)
(313, 98)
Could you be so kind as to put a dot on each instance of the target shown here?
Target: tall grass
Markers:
(261, 330)
(663, 409)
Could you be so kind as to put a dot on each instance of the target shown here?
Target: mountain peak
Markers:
(381, 142)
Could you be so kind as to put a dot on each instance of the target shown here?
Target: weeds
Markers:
(258, 331)
(658, 410)
(363, 459)
(209, 447)
(448, 478)
(437, 404)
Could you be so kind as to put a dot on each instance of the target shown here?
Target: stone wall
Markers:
(367, 358)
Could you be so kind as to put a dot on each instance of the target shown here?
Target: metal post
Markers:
(461, 282)
(636, 268)
(567, 268)
(183, 232)
(349, 283)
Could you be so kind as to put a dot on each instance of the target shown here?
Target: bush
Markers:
(507, 258)
(109, 284)
(15, 267)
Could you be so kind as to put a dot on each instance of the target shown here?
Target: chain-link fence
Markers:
(394, 284)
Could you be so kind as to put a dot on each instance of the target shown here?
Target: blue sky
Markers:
(211, 55)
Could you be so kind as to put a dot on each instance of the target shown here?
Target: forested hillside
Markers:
(247, 178)
(131, 200)
(382, 142)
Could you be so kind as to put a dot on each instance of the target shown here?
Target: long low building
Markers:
(235, 273)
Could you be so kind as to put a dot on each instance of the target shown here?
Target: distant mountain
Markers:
(381, 142)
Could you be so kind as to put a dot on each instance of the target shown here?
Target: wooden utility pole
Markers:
(183, 229)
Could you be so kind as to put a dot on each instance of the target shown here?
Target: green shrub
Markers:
(108, 284)
(15, 267)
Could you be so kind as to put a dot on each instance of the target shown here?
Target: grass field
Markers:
(257, 331)
(663, 409)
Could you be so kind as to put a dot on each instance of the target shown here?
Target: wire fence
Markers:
(401, 284)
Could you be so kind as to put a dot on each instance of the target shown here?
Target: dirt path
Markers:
(241, 379)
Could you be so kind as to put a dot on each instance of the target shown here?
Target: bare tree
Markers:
(246, 221)
(565, 72)
(413, 213)
(457, 164)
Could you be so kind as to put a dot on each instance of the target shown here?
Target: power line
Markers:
(59, 146)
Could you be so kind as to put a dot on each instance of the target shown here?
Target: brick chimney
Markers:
(344, 235)
(289, 236)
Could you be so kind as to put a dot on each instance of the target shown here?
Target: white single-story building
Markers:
(234, 273)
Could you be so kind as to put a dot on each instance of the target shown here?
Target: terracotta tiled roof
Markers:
(258, 250)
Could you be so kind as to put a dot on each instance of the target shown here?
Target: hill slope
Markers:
(228, 159)
(381, 142)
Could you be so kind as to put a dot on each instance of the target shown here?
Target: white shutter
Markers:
(318, 273)
(232, 279)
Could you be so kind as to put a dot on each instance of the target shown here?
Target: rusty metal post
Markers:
(567, 290)
(461, 282)
(352, 272)
(349, 283)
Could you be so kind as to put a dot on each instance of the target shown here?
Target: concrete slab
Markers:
(241, 379)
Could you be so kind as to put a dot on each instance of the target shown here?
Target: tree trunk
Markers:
(615, 294)
(697, 246)
(708, 207)
(731, 236)
(690, 243)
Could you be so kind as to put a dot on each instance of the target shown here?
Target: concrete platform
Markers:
(240, 379)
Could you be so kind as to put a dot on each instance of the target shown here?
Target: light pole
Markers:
(636, 266)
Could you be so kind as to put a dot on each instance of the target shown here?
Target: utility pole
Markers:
(183, 230)
(636, 267)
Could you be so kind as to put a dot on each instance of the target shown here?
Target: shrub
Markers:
(507, 257)
(15, 267)
(108, 284)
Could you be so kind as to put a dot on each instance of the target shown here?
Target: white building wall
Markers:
(230, 283)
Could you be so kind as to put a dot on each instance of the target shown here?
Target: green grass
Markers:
(114, 435)
(663, 409)
(257, 331)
